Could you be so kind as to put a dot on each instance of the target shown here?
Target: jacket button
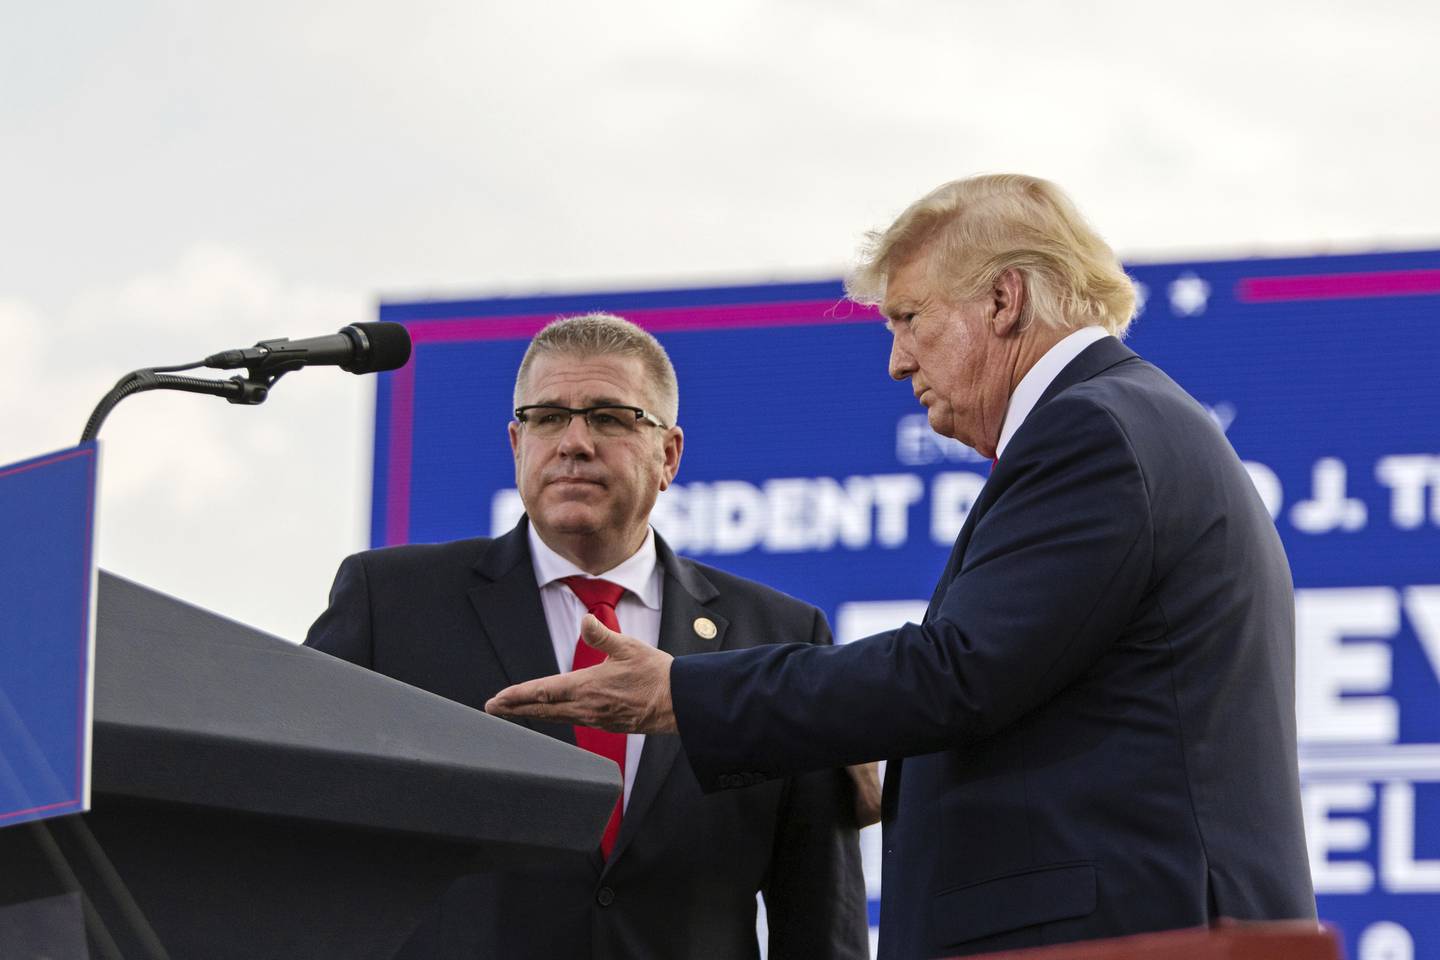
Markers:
(605, 897)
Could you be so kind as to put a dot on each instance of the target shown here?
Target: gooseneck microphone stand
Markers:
(357, 348)
(250, 389)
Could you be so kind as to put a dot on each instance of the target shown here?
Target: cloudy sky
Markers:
(177, 178)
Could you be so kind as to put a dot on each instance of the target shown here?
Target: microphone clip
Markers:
(264, 364)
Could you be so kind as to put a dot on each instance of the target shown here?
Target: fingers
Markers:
(865, 777)
(538, 699)
(601, 637)
(567, 698)
(628, 693)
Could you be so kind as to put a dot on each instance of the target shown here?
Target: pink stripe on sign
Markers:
(397, 479)
(49, 806)
(659, 320)
(82, 694)
(23, 468)
(1339, 286)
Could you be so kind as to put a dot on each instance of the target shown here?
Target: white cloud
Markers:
(245, 510)
(178, 178)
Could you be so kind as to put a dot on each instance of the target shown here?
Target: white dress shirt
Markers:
(638, 612)
(1040, 376)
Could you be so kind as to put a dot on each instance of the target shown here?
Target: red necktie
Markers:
(600, 597)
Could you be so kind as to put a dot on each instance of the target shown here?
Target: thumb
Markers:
(599, 636)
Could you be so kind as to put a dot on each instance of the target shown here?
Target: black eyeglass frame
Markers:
(641, 415)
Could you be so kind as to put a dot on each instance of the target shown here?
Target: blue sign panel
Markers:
(47, 589)
(807, 468)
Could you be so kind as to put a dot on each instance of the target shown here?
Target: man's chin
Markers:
(940, 421)
(569, 520)
(944, 424)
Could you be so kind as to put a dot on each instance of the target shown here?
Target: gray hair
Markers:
(976, 229)
(604, 334)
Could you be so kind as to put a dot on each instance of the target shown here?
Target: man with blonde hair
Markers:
(676, 873)
(1092, 730)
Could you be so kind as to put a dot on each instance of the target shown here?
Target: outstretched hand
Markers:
(628, 693)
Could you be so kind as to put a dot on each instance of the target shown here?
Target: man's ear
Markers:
(1007, 302)
(515, 439)
(674, 446)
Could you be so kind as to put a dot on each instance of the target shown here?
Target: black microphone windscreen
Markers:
(389, 347)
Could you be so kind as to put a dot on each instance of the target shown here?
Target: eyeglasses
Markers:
(605, 420)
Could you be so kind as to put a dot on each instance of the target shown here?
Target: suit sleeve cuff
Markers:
(708, 745)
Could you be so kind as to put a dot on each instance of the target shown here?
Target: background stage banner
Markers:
(47, 642)
(807, 468)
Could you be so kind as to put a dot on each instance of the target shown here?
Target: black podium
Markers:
(260, 800)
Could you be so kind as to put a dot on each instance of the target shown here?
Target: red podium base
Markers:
(1290, 940)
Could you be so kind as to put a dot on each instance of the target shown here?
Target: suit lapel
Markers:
(507, 604)
(957, 552)
(683, 604)
(1093, 360)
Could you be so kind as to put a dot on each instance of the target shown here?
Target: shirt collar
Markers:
(637, 574)
(1040, 376)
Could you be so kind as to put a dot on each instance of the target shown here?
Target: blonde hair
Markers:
(604, 334)
(975, 229)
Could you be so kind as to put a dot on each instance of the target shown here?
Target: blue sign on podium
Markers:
(47, 633)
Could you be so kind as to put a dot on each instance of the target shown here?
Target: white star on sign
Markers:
(1188, 295)
(1142, 295)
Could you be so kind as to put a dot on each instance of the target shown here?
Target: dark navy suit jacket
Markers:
(464, 620)
(1096, 716)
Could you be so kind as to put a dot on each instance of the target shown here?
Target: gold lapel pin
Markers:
(705, 627)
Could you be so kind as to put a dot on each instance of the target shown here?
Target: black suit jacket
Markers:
(464, 620)
(1097, 714)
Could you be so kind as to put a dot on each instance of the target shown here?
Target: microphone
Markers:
(358, 348)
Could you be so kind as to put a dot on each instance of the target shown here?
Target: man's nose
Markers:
(902, 365)
(576, 440)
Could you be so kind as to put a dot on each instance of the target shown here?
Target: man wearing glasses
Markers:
(1091, 731)
(677, 871)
